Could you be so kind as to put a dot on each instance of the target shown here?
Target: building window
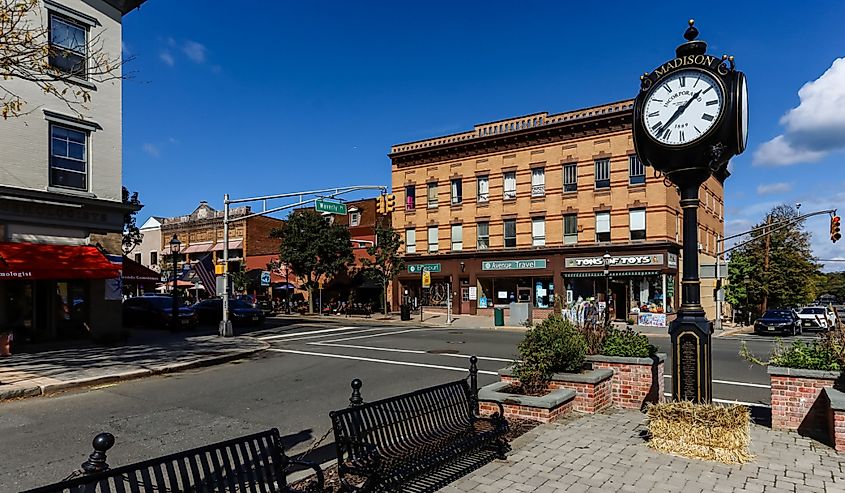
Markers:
(432, 239)
(410, 241)
(68, 45)
(510, 233)
(538, 182)
(483, 235)
(432, 195)
(410, 197)
(538, 231)
(636, 170)
(510, 185)
(457, 191)
(602, 226)
(570, 177)
(68, 157)
(457, 237)
(602, 173)
(570, 229)
(483, 188)
(636, 218)
(138, 258)
(153, 258)
(354, 218)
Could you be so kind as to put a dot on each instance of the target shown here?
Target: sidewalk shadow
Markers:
(452, 471)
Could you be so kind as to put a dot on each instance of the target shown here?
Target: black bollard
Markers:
(356, 399)
(97, 460)
(473, 382)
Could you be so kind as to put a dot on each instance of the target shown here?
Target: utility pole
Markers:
(765, 303)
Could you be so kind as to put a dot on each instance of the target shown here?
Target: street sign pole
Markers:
(225, 328)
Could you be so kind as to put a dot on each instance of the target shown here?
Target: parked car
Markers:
(783, 320)
(817, 318)
(211, 311)
(157, 311)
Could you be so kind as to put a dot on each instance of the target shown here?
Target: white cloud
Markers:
(815, 127)
(773, 188)
(152, 150)
(195, 51)
(167, 58)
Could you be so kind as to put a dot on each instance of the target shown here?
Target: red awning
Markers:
(199, 247)
(59, 262)
(137, 273)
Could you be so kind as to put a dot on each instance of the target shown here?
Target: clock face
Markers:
(683, 107)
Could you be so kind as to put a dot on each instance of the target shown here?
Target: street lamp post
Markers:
(175, 245)
(606, 258)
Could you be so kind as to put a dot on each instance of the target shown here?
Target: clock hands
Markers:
(678, 112)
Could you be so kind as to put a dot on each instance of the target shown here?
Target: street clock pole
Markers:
(690, 118)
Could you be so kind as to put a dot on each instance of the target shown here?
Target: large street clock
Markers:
(691, 115)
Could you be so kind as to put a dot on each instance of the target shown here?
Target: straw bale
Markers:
(700, 431)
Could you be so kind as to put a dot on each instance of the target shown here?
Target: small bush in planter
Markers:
(817, 355)
(627, 344)
(553, 345)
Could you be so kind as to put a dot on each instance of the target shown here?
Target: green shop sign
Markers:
(418, 268)
(539, 263)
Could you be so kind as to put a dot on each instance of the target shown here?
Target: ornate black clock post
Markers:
(690, 118)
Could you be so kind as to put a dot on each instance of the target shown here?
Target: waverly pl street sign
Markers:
(321, 205)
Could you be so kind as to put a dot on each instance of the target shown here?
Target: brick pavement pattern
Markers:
(606, 453)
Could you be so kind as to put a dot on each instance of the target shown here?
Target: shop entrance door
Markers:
(620, 302)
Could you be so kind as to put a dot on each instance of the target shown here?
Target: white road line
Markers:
(383, 334)
(728, 401)
(407, 351)
(375, 360)
(320, 336)
(321, 331)
(739, 384)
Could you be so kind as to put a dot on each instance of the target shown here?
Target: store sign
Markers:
(417, 268)
(615, 261)
(673, 260)
(426, 279)
(265, 278)
(513, 264)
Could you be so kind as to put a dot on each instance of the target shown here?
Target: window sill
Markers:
(456, 205)
(509, 199)
(538, 198)
(79, 81)
(637, 185)
(410, 211)
(486, 203)
(71, 191)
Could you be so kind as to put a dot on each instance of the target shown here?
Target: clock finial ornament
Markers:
(693, 46)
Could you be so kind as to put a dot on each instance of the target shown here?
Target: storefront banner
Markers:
(417, 268)
(652, 319)
(513, 264)
(615, 261)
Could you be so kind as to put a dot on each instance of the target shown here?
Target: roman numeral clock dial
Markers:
(683, 108)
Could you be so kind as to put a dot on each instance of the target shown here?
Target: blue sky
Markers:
(280, 96)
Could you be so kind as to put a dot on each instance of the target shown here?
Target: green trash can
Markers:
(499, 317)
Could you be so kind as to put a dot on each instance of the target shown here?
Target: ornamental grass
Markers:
(700, 431)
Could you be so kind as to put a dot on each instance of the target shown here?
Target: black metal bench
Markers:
(253, 463)
(386, 442)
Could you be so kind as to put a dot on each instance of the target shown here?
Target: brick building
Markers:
(524, 209)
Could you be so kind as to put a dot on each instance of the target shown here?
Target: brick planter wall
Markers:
(544, 408)
(636, 381)
(836, 418)
(795, 399)
(592, 387)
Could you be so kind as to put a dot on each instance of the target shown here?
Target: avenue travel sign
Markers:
(417, 268)
(539, 263)
(321, 205)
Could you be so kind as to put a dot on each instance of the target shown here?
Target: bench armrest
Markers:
(497, 403)
(317, 472)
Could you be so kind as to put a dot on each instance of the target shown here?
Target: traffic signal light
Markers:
(834, 229)
(389, 203)
(381, 204)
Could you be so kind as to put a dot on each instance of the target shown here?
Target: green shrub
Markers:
(627, 343)
(553, 345)
(814, 356)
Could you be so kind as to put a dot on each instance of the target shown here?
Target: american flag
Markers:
(205, 270)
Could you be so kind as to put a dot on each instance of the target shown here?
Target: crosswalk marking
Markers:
(297, 334)
(376, 360)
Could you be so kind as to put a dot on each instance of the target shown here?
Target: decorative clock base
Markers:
(691, 357)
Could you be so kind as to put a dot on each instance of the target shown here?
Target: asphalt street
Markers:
(305, 374)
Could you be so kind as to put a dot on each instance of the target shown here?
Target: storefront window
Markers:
(544, 292)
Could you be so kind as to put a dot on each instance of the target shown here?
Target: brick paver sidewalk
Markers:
(606, 453)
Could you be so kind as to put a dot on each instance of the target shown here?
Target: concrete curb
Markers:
(51, 388)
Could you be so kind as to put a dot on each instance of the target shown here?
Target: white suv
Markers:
(816, 318)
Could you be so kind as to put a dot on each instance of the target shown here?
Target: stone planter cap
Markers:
(586, 376)
(800, 372)
(651, 360)
(549, 401)
(836, 398)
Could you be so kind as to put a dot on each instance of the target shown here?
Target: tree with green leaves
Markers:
(386, 262)
(131, 234)
(314, 249)
(831, 283)
(774, 270)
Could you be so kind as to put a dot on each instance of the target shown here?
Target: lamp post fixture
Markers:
(175, 246)
(606, 258)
